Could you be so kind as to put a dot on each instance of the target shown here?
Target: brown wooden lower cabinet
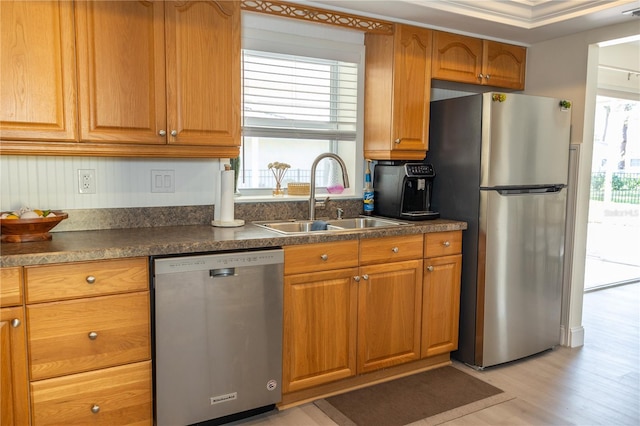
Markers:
(393, 312)
(14, 409)
(119, 395)
(441, 304)
(89, 343)
(319, 344)
(389, 300)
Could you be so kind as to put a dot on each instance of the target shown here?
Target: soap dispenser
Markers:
(367, 193)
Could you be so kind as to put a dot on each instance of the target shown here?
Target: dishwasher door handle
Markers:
(222, 272)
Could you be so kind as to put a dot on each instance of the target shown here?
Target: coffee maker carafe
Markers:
(403, 190)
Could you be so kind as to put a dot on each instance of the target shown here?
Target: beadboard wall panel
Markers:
(52, 182)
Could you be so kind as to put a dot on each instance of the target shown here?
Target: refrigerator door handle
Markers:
(519, 191)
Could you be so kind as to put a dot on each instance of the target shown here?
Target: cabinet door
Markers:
(389, 314)
(121, 71)
(203, 72)
(504, 65)
(456, 58)
(14, 403)
(397, 94)
(412, 88)
(319, 343)
(37, 67)
(440, 304)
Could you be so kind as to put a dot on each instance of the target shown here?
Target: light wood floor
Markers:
(597, 384)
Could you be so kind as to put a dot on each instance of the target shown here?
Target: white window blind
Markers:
(303, 97)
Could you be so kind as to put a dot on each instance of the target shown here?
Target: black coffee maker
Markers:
(403, 190)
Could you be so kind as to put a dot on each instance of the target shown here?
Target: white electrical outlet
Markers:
(163, 181)
(86, 181)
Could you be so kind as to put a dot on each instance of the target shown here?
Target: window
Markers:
(301, 97)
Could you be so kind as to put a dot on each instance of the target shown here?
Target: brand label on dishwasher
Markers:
(223, 398)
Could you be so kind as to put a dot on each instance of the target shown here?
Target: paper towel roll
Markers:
(227, 178)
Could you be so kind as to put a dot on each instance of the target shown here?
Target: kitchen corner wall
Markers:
(52, 182)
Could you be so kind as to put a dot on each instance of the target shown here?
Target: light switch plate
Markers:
(163, 181)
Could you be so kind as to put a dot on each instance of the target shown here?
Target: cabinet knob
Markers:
(174, 133)
(430, 268)
(446, 244)
(95, 409)
(365, 277)
(162, 132)
(356, 278)
(15, 323)
(324, 257)
(480, 76)
(395, 249)
(90, 279)
(487, 76)
(397, 141)
(93, 335)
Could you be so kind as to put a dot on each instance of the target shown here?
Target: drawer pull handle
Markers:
(15, 323)
(446, 244)
(95, 409)
(93, 335)
(430, 268)
(395, 249)
(324, 257)
(365, 277)
(357, 278)
(91, 279)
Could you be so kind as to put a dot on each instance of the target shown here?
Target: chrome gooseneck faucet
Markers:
(312, 193)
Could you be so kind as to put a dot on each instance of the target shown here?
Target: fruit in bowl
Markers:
(29, 225)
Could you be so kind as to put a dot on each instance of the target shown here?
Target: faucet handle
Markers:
(340, 213)
(322, 204)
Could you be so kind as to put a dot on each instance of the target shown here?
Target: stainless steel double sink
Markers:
(335, 225)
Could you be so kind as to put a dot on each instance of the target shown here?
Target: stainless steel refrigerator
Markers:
(501, 162)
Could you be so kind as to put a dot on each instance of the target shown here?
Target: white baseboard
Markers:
(574, 338)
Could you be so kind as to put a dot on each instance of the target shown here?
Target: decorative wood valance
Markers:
(306, 13)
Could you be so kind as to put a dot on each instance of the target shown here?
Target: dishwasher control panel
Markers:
(216, 261)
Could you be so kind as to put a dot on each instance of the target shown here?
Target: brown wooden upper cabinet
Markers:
(471, 60)
(37, 71)
(397, 94)
(159, 72)
(154, 78)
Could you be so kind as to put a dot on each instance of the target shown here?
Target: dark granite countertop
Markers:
(72, 246)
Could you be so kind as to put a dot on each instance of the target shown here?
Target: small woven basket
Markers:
(298, 188)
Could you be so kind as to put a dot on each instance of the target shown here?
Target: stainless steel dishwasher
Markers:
(217, 336)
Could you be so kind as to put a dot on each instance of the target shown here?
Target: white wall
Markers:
(618, 83)
(567, 68)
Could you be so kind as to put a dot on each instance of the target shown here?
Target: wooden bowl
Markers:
(24, 230)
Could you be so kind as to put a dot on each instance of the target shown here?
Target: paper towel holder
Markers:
(232, 222)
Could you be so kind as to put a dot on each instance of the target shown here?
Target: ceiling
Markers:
(517, 21)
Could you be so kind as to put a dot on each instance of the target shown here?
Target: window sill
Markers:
(290, 198)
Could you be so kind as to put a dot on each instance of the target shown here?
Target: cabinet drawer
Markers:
(320, 257)
(442, 243)
(390, 249)
(119, 395)
(81, 335)
(82, 279)
(11, 286)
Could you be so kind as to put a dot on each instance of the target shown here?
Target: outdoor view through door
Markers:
(613, 233)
